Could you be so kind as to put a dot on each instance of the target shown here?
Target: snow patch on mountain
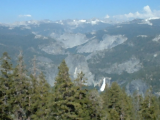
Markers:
(146, 21)
(157, 38)
(155, 55)
(80, 22)
(39, 36)
(143, 36)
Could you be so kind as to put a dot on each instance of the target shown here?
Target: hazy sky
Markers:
(20, 10)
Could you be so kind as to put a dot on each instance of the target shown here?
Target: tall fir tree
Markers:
(21, 88)
(33, 93)
(96, 104)
(70, 99)
(6, 89)
(44, 94)
(89, 101)
(64, 106)
(104, 96)
(117, 103)
(136, 102)
(149, 109)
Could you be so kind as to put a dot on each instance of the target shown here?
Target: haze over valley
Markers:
(126, 51)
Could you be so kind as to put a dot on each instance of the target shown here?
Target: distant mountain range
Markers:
(127, 52)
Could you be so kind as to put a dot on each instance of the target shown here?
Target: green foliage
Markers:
(96, 102)
(116, 103)
(21, 85)
(149, 109)
(40, 99)
(64, 106)
(71, 99)
(6, 89)
(24, 97)
(136, 102)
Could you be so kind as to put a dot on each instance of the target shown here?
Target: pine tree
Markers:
(64, 106)
(136, 102)
(113, 115)
(33, 93)
(80, 81)
(6, 89)
(43, 91)
(71, 101)
(117, 103)
(87, 99)
(21, 87)
(105, 98)
(96, 105)
(158, 107)
(149, 109)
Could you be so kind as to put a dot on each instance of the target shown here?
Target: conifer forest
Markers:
(28, 96)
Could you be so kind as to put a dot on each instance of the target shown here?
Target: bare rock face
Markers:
(53, 48)
(49, 69)
(107, 42)
(70, 40)
(130, 66)
(78, 63)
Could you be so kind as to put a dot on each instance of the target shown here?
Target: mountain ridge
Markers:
(126, 52)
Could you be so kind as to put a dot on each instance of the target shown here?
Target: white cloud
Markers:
(107, 16)
(147, 13)
(28, 15)
(147, 9)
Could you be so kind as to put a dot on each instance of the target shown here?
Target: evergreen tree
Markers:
(149, 109)
(43, 91)
(30, 98)
(159, 108)
(21, 88)
(33, 93)
(104, 96)
(117, 103)
(6, 89)
(113, 115)
(96, 105)
(90, 101)
(71, 101)
(64, 106)
(136, 101)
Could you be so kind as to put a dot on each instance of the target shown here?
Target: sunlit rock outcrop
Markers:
(78, 63)
(107, 42)
(52, 48)
(70, 40)
(50, 70)
(130, 66)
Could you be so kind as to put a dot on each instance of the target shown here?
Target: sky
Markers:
(23, 10)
